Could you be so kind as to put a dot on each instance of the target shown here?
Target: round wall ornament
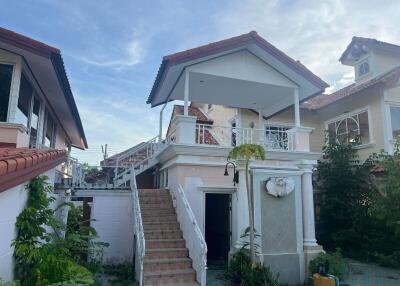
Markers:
(280, 186)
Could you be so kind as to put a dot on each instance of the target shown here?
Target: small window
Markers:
(395, 119)
(363, 69)
(50, 131)
(351, 129)
(209, 106)
(5, 87)
(34, 123)
(24, 102)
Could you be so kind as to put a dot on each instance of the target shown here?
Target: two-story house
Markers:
(39, 123)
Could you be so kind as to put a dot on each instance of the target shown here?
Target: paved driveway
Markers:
(362, 274)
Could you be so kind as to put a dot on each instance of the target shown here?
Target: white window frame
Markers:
(367, 60)
(389, 119)
(350, 114)
(13, 78)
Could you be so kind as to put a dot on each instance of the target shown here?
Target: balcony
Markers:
(271, 138)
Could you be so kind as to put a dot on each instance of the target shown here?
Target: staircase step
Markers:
(157, 212)
(161, 225)
(165, 243)
(156, 199)
(159, 218)
(169, 276)
(167, 264)
(162, 234)
(156, 206)
(166, 253)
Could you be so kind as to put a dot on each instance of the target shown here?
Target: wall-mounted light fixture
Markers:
(235, 173)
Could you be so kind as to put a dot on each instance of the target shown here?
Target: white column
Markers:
(308, 207)
(260, 120)
(161, 123)
(186, 94)
(296, 107)
(242, 208)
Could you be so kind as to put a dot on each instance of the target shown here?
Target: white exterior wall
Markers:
(12, 202)
(113, 220)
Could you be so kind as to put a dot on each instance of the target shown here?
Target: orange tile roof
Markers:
(18, 165)
(323, 100)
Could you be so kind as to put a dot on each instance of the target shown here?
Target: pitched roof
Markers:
(228, 44)
(18, 165)
(54, 55)
(323, 100)
(369, 42)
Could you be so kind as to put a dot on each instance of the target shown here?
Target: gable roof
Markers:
(323, 100)
(29, 45)
(369, 42)
(226, 45)
(193, 111)
(19, 165)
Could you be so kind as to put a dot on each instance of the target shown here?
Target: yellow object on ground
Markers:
(320, 280)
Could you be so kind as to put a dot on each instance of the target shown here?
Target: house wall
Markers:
(112, 212)
(371, 99)
(12, 202)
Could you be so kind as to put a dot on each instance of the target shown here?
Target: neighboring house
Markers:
(39, 123)
(227, 88)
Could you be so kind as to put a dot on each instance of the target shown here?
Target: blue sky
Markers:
(112, 49)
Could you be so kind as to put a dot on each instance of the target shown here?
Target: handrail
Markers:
(271, 137)
(192, 234)
(140, 250)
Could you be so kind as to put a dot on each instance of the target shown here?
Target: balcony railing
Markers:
(272, 138)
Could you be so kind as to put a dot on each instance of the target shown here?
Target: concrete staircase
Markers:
(167, 259)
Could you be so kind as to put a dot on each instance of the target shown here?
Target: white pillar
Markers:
(186, 94)
(296, 107)
(260, 120)
(308, 207)
(242, 208)
(161, 123)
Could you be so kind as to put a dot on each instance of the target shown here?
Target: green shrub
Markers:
(337, 266)
(241, 271)
(9, 283)
(42, 258)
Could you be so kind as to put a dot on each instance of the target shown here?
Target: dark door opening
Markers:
(218, 226)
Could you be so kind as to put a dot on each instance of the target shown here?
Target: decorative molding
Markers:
(280, 186)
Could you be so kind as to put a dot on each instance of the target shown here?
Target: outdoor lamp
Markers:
(235, 173)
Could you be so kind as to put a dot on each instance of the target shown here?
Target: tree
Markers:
(249, 152)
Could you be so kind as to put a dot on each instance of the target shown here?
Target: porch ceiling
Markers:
(219, 90)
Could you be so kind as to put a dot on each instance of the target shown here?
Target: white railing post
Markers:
(140, 247)
(192, 234)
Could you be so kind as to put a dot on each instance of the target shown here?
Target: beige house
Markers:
(367, 111)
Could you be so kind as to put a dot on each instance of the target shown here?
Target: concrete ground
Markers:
(363, 274)
(359, 274)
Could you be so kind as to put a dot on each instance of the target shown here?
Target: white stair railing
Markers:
(192, 234)
(140, 247)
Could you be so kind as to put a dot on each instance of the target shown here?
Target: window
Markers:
(24, 102)
(5, 87)
(34, 122)
(276, 137)
(395, 119)
(50, 131)
(363, 69)
(351, 129)
(209, 106)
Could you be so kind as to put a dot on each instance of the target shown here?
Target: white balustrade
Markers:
(192, 234)
(272, 137)
(140, 247)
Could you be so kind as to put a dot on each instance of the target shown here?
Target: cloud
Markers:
(313, 31)
(132, 54)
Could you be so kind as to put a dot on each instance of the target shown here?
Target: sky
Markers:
(113, 49)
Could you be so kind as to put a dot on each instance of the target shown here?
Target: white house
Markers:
(39, 123)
